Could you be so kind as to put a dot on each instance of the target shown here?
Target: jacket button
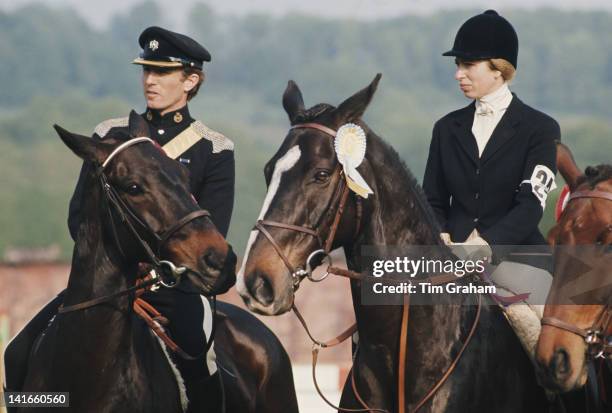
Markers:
(475, 220)
(478, 171)
(476, 195)
(161, 131)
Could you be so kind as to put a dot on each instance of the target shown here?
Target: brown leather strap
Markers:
(354, 387)
(437, 279)
(181, 223)
(332, 232)
(591, 194)
(348, 332)
(358, 215)
(315, 356)
(317, 345)
(151, 316)
(555, 322)
(277, 248)
(452, 366)
(401, 362)
(317, 126)
(96, 301)
(297, 228)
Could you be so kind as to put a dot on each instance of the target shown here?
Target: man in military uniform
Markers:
(171, 76)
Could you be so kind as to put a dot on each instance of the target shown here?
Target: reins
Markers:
(298, 274)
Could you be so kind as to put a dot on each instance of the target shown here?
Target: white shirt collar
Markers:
(497, 101)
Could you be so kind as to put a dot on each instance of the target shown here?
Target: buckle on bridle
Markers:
(168, 269)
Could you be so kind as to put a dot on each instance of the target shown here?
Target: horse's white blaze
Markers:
(285, 163)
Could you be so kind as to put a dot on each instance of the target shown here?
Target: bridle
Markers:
(598, 337)
(298, 274)
(166, 272)
(336, 209)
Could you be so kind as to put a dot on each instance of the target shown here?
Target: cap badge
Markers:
(153, 45)
(178, 118)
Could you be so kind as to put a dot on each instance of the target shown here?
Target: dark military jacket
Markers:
(210, 162)
(502, 193)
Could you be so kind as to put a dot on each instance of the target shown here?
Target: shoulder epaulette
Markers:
(103, 127)
(219, 141)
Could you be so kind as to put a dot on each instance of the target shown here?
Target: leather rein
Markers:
(336, 209)
(598, 337)
(166, 273)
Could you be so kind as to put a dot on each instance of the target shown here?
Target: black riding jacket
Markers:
(501, 193)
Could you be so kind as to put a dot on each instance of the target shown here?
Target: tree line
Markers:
(58, 69)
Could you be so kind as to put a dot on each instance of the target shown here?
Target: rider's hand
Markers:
(474, 248)
(445, 236)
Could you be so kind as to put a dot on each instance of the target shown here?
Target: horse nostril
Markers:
(560, 365)
(213, 260)
(259, 287)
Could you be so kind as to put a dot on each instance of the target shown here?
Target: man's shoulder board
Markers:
(103, 127)
(219, 141)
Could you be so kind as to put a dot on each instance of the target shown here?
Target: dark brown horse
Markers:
(572, 335)
(139, 209)
(297, 217)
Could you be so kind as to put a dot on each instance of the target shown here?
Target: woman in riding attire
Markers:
(172, 75)
(491, 166)
(492, 163)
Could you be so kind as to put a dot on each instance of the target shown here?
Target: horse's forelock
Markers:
(314, 113)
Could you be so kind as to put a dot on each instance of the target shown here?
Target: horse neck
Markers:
(98, 268)
(398, 216)
(399, 213)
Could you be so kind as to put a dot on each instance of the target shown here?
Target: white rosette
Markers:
(350, 145)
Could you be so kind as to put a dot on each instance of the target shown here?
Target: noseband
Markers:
(167, 273)
(336, 210)
(598, 337)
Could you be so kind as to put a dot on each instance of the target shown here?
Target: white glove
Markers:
(445, 236)
(474, 248)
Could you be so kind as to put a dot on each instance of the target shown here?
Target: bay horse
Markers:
(303, 210)
(139, 209)
(574, 335)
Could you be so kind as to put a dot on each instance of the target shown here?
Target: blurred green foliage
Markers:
(57, 69)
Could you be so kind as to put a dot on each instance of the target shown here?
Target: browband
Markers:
(124, 145)
(317, 126)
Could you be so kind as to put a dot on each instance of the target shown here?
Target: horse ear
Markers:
(138, 126)
(85, 148)
(353, 108)
(292, 100)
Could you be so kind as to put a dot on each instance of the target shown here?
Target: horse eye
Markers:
(321, 176)
(134, 189)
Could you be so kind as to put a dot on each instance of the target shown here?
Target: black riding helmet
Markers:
(486, 36)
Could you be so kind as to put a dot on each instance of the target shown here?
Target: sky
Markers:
(99, 12)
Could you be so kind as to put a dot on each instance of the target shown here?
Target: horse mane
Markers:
(120, 134)
(406, 179)
(595, 174)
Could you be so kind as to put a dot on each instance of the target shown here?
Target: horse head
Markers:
(571, 334)
(305, 184)
(146, 212)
